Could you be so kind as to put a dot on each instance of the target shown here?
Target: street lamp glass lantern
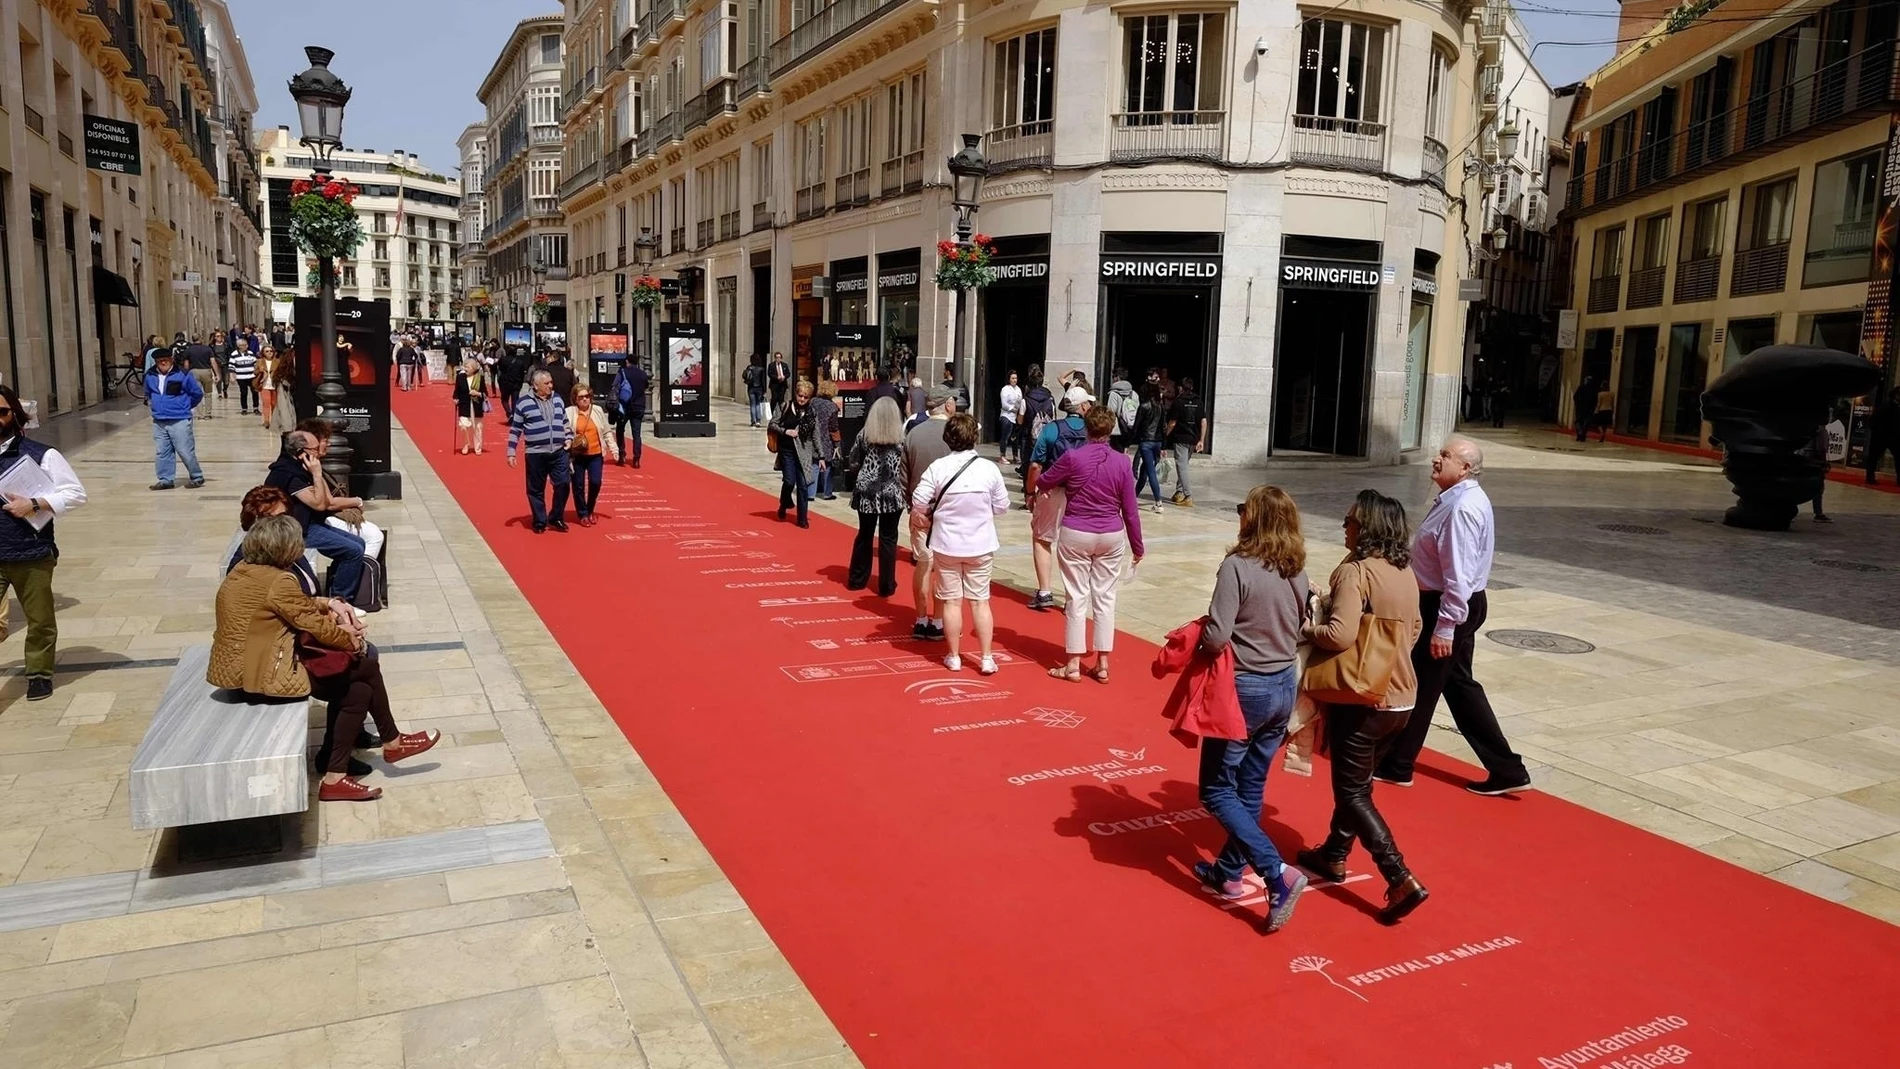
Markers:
(320, 97)
(968, 168)
(1507, 141)
(644, 246)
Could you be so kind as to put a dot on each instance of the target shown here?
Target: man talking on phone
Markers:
(27, 550)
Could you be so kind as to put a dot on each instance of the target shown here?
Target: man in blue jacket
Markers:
(173, 392)
(630, 400)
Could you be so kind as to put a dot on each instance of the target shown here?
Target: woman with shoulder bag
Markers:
(877, 494)
(272, 640)
(471, 404)
(1369, 687)
(592, 445)
(824, 409)
(954, 507)
(793, 434)
(1258, 608)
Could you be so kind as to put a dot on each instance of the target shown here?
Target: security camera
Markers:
(1260, 46)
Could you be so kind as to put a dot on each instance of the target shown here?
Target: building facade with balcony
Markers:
(91, 259)
(412, 230)
(471, 255)
(1726, 184)
(525, 240)
(1252, 195)
(239, 219)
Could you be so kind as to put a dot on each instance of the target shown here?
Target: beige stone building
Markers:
(1726, 189)
(1252, 194)
(524, 243)
(110, 186)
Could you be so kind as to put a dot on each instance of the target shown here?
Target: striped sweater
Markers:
(544, 432)
(243, 365)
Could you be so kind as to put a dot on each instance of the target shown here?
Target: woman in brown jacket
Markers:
(261, 609)
(1376, 574)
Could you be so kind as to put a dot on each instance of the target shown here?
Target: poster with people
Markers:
(606, 348)
(683, 397)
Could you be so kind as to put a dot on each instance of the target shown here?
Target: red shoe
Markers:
(410, 744)
(347, 790)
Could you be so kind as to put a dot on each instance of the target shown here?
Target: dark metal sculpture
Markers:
(1764, 413)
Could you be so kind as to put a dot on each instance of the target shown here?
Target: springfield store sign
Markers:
(1175, 270)
(1329, 275)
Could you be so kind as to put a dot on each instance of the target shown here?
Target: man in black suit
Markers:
(778, 379)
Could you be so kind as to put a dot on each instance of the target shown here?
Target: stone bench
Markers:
(210, 755)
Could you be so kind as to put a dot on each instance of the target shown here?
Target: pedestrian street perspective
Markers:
(723, 534)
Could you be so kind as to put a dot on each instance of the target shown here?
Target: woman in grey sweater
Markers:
(1258, 609)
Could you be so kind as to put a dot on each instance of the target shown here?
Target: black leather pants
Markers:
(1357, 735)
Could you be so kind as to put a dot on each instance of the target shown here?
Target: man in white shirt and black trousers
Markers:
(27, 556)
(1451, 555)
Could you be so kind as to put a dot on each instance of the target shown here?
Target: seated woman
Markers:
(264, 501)
(261, 608)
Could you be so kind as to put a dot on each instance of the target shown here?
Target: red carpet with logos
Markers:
(989, 872)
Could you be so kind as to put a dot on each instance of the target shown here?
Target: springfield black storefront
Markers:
(1322, 371)
(1015, 319)
(1160, 297)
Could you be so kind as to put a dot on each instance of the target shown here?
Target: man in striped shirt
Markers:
(537, 425)
(242, 364)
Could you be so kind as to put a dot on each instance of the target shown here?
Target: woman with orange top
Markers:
(592, 443)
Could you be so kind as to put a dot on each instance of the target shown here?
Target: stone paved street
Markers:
(528, 895)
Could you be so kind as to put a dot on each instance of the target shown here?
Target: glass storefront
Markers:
(1682, 384)
(1418, 348)
(899, 276)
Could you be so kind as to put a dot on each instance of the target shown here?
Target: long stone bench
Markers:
(211, 755)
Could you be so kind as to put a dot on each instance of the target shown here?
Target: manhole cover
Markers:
(1849, 565)
(1630, 528)
(1540, 641)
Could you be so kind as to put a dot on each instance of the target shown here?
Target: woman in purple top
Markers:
(1101, 523)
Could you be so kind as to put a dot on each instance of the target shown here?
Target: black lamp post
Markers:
(320, 97)
(644, 246)
(968, 168)
(538, 268)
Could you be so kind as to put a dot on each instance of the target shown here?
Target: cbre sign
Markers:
(112, 145)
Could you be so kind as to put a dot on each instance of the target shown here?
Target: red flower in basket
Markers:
(299, 187)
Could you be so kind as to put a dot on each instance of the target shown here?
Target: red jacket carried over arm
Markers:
(1204, 703)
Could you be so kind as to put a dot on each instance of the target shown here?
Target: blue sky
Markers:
(415, 64)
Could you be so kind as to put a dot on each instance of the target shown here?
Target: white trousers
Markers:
(371, 535)
(1091, 567)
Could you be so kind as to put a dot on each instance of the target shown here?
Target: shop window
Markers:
(1172, 80)
(1841, 222)
(1761, 256)
(1744, 336)
(1022, 97)
(1682, 385)
(1699, 260)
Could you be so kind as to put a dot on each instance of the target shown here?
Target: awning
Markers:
(111, 288)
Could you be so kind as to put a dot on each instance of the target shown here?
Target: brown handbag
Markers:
(1362, 673)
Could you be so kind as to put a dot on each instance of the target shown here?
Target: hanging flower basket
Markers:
(313, 275)
(962, 267)
(646, 292)
(542, 302)
(322, 219)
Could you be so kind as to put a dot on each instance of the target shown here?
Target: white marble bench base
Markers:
(210, 755)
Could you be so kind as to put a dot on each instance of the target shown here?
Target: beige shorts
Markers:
(964, 577)
(1045, 516)
(920, 553)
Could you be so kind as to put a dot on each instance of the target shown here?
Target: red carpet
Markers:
(989, 873)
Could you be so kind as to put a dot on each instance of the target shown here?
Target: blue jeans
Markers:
(1234, 774)
(755, 399)
(175, 441)
(790, 486)
(345, 551)
(824, 479)
(586, 483)
(1149, 467)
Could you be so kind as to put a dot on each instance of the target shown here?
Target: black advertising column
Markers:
(606, 348)
(362, 332)
(685, 405)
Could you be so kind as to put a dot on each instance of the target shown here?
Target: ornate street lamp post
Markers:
(320, 97)
(644, 246)
(968, 168)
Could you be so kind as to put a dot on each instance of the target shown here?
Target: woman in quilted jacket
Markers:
(1375, 578)
(877, 455)
(261, 609)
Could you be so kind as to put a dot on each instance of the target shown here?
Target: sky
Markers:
(414, 65)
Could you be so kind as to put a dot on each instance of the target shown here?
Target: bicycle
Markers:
(132, 379)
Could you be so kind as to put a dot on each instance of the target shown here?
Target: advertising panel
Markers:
(685, 404)
(362, 340)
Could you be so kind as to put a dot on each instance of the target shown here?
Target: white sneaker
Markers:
(1155, 508)
(987, 666)
(953, 662)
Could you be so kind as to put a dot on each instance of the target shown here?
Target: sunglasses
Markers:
(1240, 509)
(4, 411)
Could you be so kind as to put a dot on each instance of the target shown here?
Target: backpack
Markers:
(1041, 408)
(623, 390)
(1068, 436)
(372, 587)
(1126, 405)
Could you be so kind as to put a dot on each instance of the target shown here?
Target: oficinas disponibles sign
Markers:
(1329, 275)
(112, 145)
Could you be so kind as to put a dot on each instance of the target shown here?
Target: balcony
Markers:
(667, 9)
(1762, 270)
(1491, 31)
(717, 100)
(811, 201)
(645, 142)
(752, 78)
(1023, 145)
(624, 156)
(580, 180)
(854, 188)
(34, 120)
(1434, 161)
(761, 215)
(543, 206)
(66, 146)
(668, 129)
(1148, 135)
(830, 23)
(539, 135)
(1603, 293)
(905, 174)
(1837, 95)
(1490, 89)
(1646, 287)
(703, 234)
(1348, 143)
